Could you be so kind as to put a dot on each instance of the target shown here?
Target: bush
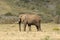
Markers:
(8, 19)
(46, 38)
(8, 14)
(56, 29)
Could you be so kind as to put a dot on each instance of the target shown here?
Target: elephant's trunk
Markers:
(20, 24)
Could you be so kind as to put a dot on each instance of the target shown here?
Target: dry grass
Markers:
(11, 32)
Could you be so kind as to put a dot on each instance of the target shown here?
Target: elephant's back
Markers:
(32, 18)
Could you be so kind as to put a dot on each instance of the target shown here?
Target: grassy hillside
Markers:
(4, 7)
(29, 5)
(47, 9)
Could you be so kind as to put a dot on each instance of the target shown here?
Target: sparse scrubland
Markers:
(49, 10)
(11, 32)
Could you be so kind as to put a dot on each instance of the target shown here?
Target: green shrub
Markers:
(8, 14)
(46, 38)
(56, 29)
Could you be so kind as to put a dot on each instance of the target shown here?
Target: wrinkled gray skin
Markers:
(30, 19)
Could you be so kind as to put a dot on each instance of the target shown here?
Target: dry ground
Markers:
(11, 32)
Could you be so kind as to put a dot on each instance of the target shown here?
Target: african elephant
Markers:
(30, 19)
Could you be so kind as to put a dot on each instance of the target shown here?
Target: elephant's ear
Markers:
(26, 18)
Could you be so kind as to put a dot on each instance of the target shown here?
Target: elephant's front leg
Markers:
(19, 26)
(24, 27)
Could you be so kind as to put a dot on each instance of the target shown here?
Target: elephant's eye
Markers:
(21, 16)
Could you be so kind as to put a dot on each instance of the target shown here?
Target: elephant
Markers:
(30, 19)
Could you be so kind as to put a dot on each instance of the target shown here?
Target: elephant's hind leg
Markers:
(29, 27)
(38, 27)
